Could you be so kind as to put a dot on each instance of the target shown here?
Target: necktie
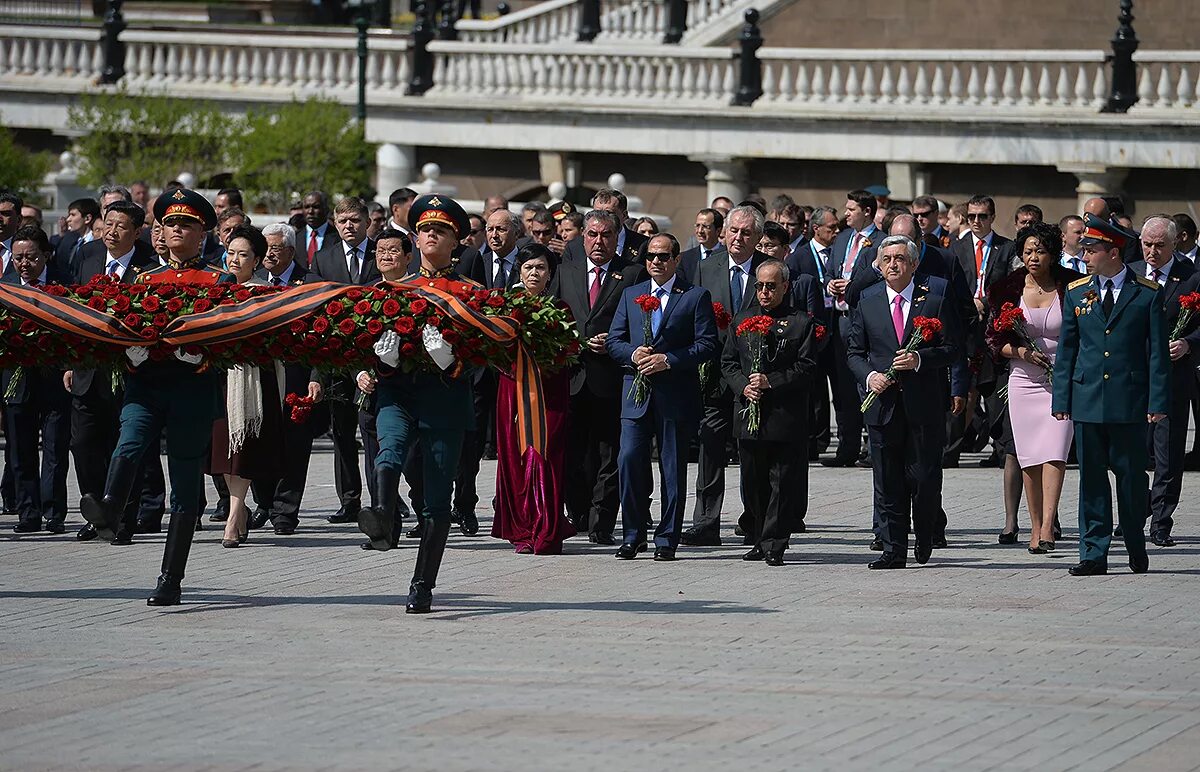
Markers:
(851, 255)
(594, 290)
(312, 245)
(979, 268)
(737, 288)
(113, 265)
(1109, 301)
(657, 315)
(1157, 275)
(501, 275)
(898, 317)
(352, 264)
(824, 260)
(276, 281)
(34, 283)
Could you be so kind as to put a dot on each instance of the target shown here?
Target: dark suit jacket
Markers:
(1183, 278)
(922, 394)
(841, 245)
(38, 377)
(634, 242)
(690, 262)
(999, 262)
(481, 269)
(790, 368)
(687, 335)
(329, 264)
(598, 372)
(714, 277)
(65, 248)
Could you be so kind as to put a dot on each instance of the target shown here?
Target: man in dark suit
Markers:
(629, 242)
(708, 228)
(36, 406)
(95, 408)
(1168, 437)
(279, 500)
(683, 335)
(347, 260)
(592, 289)
(729, 279)
(907, 422)
(860, 234)
(772, 454)
(1112, 372)
(81, 213)
(926, 209)
(1101, 208)
(317, 232)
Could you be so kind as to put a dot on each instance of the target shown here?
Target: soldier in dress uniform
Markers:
(1111, 376)
(434, 408)
(181, 394)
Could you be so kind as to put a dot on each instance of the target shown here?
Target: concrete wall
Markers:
(981, 24)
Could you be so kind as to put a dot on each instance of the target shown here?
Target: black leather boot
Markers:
(429, 560)
(179, 543)
(378, 522)
(105, 514)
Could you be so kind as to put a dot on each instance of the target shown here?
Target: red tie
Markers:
(979, 268)
(594, 290)
(312, 246)
(851, 255)
(898, 318)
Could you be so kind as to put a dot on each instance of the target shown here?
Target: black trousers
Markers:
(846, 401)
(774, 489)
(1167, 441)
(590, 478)
(907, 473)
(819, 405)
(343, 415)
(716, 430)
(282, 497)
(483, 391)
(40, 481)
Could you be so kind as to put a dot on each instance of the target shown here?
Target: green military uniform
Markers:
(1112, 370)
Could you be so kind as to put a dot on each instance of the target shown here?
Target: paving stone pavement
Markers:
(294, 652)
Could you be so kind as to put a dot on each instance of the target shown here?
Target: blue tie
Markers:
(737, 288)
(657, 314)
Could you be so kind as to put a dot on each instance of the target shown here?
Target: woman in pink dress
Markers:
(529, 493)
(1042, 443)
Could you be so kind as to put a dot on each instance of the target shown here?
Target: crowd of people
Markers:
(918, 327)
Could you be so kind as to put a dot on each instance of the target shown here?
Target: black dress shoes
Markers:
(220, 516)
(1008, 537)
(1139, 564)
(877, 545)
(630, 551)
(886, 562)
(123, 537)
(774, 558)
(939, 543)
(839, 461)
(149, 525)
(1088, 568)
(167, 593)
(605, 539)
(799, 527)
(738, 530)
(55, 528)
(693, 538)
(664, 553)
(921, 552)
(1162, 539)
(86, 533)
(420, 598)
(259, 518)
(416, 533)
(285, 529)
(754, 555)
(347, 514)
(27, 527)
(468, 523)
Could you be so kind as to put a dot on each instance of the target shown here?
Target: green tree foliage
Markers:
(131, 136)
(290, 149)
(21, 170)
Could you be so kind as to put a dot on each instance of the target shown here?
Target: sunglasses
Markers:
(765, 285)
(662, 257)
(923, 215)
(980, 216)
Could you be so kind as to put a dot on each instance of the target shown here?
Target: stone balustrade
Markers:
(621, 21)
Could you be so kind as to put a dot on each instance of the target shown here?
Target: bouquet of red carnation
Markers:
(925, 329)
(639, 392)
(1012, 321)
(756, 329)
(1189, 304)
(723, 320)
(301, 407)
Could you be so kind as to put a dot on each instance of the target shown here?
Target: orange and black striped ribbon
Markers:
(56, 313)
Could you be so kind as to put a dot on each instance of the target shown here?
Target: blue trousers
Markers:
(398, 424)
(637, 482)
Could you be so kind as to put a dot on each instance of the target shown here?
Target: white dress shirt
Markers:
(592, 277)
(1074, 262)
(354, 259)
(509, 261)
(1118, 281)
(747, 278)
(1163, 272)
(906, 309)
(284, 277)
(122, 264)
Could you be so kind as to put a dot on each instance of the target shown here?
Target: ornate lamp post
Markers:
(1124, 72)
(114, 49)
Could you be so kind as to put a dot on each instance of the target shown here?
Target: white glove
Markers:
(137, 355)
(191, 359)
(439, 350)
(387, 348)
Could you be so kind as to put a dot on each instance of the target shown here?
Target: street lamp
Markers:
(1123, 94)
(362, 10)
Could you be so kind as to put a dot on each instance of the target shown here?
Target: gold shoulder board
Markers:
(1079, 282)
(1147, 282)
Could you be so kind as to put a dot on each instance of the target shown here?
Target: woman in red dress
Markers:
(529, 495)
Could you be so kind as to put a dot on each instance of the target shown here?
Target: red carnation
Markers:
(202, 305)
(755, 325)
(391, 307)
(347, 326)
(150, 304)
(408, 349)
(928, 326)
(820, 332)
(722, 316)
(374, 327)
(405, 325)
(648, 303)
(1190, 302)
(320, 325)
(418, 306)
(362, 308)
(335, 308)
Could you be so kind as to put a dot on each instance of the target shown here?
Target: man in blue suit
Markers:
(683, 335)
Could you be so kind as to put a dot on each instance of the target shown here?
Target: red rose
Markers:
(111, 291)
(312, 341)
(391, 307)
(133, 320)
(363, 340)
(408, 349)
(174, 305)
(335, 308)
(451, 336)
(320, 325)
(191, 291)
(418, 306)
(202, 305)
(242, 294)
(297, 327)
(374, 327)
(149, 333)
(216, 291)
(160, 320)
(149, 304)
(362, 308)
(276, 350)
(97, 303)
(354, 293)
(495, 301)
(347, 326)
(56, 290)
(405, 325)
(137, 289)
(28, 327)
(121, 304)
(475, 305)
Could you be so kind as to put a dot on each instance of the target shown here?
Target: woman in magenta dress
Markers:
(1042, 443)
(529, 495)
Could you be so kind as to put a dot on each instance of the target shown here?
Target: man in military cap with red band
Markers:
(180, 394)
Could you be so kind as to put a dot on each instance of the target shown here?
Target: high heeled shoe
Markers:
(1009, 537)
(1038, 550)
(1047, 546)
(229, 543)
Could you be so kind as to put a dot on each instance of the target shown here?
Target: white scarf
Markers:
(244, 403)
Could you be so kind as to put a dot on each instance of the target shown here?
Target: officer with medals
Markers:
(433, 408)
(180, 394)
(1111, 376)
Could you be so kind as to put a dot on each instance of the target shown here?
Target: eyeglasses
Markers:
(389, 252)
(923, 215)
(662, 257)
(972, 216)
(765, 285)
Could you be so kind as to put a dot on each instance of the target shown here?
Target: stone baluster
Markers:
(57, 55)
(1100, 85)
(1008, 88)
(729, 82)
(904, 92)
(1025, 90)
(937, 91)
(991, 90)
(768, 82)
(887, 85)
(1145, 88)
(803, 84)
(1164, 86)
(1062, 87)
(817, 85)
(836, 93)
(1183, 87)
(28, 60)
(703, 81)
(70, 60)
(869, 89)
(955, 94)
